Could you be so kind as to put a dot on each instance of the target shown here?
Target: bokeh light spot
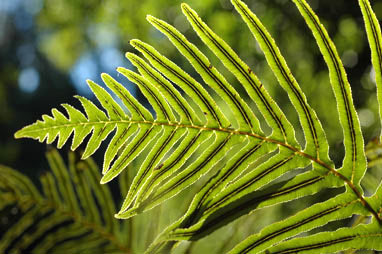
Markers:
(29, 80)
(366, 117)
(33, 6)
(111, 58)
(372, 74)
(9, 5)
(84, 68)
(350, 58)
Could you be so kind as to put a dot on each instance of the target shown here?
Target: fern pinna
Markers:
(179, 129)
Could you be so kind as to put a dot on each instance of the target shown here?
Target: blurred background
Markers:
(48, 48)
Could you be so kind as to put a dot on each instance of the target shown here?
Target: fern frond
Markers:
(187, 140)
(63, 217)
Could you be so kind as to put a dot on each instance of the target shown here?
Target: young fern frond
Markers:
(185, 145)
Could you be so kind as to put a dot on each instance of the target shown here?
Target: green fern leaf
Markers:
(316, 143)
(373, 31)
(86, 226)
(188, 139)
(361, 237)
(243, 114)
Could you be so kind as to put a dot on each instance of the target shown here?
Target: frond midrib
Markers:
(77, 218)
(233, 132)
(188, 126)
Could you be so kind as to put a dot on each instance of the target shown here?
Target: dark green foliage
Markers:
(73, 214)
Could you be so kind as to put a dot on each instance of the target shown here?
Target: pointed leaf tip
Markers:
(119, 69)
(131, 57)
(90, 82)
(105, 179)
(105, 75)
(22, 133)
(134, 42)
(184, 6)
(18, 134)
(120, 216)
(150, 17)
